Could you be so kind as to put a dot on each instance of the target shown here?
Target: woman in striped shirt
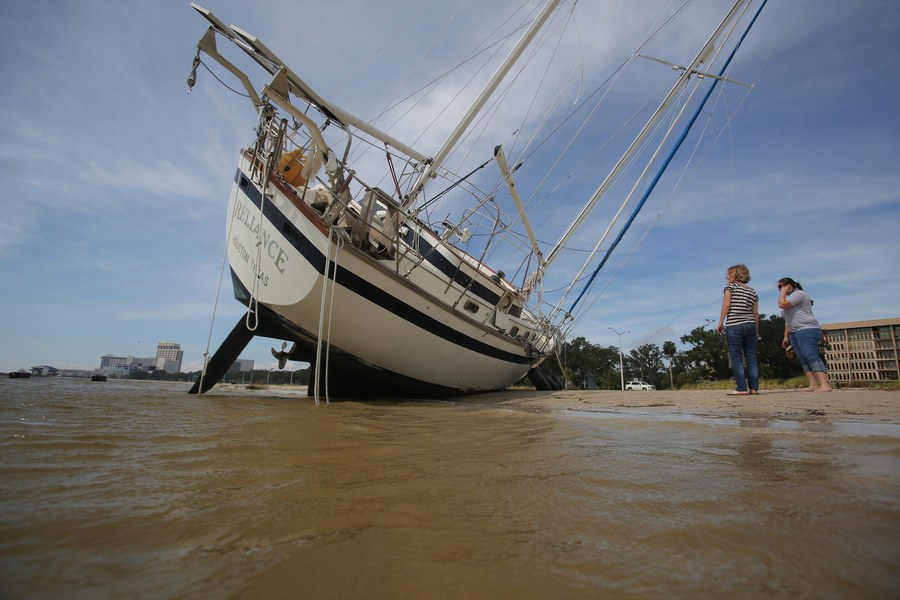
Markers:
(740, 321)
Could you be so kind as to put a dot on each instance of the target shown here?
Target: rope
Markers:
(253, 302)
(212, 319)
(318, 368)
(338, 244)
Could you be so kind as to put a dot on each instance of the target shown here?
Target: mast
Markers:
(692, 69)
(486, 93)
(665, 164)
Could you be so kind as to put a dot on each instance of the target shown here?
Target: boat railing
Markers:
(491, 230)
(376, 224)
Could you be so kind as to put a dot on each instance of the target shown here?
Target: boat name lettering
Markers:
(246, 256)
(249, 218)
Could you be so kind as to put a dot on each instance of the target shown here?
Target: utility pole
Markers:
(621, 367)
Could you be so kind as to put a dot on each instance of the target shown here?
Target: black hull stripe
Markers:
(363, 288)
(446, 267)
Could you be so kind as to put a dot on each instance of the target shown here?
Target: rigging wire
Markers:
(671, 154)
(549, 34)
(219, 79)
(490, 114)
(614, 77)
(596, 297)
(475, 54)
(524, 154)
(390, 39)
(690, 165)
(212, 319)
(433, 83)
(609, 83)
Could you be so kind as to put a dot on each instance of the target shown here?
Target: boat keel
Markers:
(223, 358)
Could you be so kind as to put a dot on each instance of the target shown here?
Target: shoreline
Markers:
(857, 405)
(846, 405)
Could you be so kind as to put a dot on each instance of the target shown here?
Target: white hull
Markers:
(400, 317)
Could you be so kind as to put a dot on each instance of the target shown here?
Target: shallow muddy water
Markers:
(135, 489)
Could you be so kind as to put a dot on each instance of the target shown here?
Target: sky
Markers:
(115, 179)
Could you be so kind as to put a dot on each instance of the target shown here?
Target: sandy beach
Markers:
(860, 405)
(849, 405)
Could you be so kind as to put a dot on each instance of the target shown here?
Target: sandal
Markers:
(738, 393)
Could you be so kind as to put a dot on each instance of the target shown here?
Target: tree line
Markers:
(704, 359)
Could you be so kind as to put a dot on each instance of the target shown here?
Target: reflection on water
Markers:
(134, 489)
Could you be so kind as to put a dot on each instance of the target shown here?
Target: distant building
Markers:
(241, 365)
(109, 362)
(168, 357)
(44, 371)
(863, 350)
(75, 373)
(123, 365)
(147, 363)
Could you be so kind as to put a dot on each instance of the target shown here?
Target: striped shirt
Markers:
(743, 299)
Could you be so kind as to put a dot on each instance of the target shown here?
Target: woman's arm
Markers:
(726, 305)
(783, 302)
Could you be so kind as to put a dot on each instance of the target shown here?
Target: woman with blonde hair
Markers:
(739, 320)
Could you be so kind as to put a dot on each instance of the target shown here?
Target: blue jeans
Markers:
(741, 340)
(806, 347)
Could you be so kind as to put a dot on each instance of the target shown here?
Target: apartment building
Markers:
(863, 351)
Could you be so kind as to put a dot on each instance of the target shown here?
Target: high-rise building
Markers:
(168, 357)
(861, 351)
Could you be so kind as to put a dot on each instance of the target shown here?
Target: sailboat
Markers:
(353, 271)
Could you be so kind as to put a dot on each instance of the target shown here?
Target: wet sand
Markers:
(851, 405)
(855, 405)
